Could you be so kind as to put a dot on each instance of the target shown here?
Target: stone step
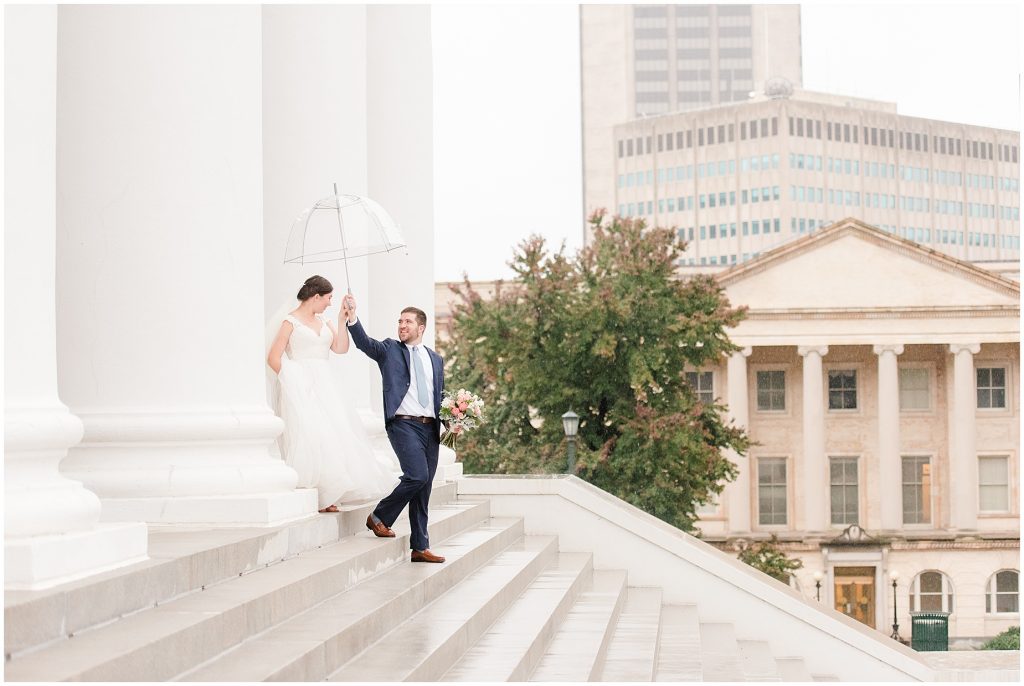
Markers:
(181, 560)
(720, 654)
(824, 677)
(514, 644)
(580, 644)
(633, 651)
(312, 645)
(162, 642)
(757, 661)
(679, 657)
(792, 669)
(450, 472)
(425, 646)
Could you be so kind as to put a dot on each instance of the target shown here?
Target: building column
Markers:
(815, 473)
(160, 265)
(51, 530)
(963, 459)
(890, 473)
(738, 491)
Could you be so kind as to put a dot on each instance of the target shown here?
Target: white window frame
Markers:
(787, 459)
(787, 398)
(712, 510)
(857, 367)
(948, 594)
(991, 597)
(715, 395)
(1008, 456)
(930, 368)
(860, 489)
(930, 524)
(1008, 371)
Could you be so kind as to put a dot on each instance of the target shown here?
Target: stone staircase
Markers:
(323, 599)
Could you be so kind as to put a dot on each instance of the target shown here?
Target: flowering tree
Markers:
(607, 333)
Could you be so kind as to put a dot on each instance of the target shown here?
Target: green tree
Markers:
(606, 333)
(766, 556)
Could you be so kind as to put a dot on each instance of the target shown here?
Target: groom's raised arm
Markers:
(373, 348)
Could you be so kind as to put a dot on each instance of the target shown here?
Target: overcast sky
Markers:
(507, 104)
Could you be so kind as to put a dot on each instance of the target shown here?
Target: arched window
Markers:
(1001, 596)
(931, 591)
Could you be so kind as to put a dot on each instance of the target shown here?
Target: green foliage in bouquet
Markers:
(608, 334)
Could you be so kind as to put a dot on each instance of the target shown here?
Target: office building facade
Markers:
(739, 179)
(646, 60)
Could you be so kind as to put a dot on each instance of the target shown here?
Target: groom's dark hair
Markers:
(421, 316)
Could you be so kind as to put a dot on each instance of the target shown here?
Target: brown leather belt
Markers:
(414, 418)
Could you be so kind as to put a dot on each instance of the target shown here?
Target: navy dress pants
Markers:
(416, 446)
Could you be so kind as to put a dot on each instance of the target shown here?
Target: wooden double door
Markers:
(855, 593)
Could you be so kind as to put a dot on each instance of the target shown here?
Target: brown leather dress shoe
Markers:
(379, 528)
(425, 556)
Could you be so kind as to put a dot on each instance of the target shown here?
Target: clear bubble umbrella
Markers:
(340, 227)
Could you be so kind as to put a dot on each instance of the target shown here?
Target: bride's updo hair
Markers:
(314, 285)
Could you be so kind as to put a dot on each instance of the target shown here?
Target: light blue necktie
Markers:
(421, 378)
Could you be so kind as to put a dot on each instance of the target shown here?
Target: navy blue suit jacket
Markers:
(394, 357)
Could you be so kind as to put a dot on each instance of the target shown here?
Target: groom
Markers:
(413, 377)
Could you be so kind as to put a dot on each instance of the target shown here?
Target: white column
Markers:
(160, 265)
(400, 121)
(51, 534)
(314, 136)
(890, 473)
(963, 458)
(738, 491)
(815, 472)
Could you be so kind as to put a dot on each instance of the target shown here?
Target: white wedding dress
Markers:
(324, 439)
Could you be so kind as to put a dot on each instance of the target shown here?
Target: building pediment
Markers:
(851, 267)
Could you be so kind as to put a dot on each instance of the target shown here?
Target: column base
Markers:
(244, 510)
(448, 469)
(37, 562)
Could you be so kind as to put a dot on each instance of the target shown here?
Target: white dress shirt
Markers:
(410, 403)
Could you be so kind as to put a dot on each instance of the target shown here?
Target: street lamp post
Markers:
(818, 576)
(894, 575)
(571, 424)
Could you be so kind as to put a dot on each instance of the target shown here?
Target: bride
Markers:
(324, 439)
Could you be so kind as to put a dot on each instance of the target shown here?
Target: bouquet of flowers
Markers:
(461, 411)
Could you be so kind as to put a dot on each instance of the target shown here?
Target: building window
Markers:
(771, 491)
(1001, 597)
(702, 384)
(915, 393)
(842, 389)
(917, 490)
(843, 490)
(991, 387)
(771, 391)
(994, 483)
(931, 592)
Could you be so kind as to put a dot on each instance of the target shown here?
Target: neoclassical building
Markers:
(877, 379)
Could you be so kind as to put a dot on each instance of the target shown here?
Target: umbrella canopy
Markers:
(339, 227)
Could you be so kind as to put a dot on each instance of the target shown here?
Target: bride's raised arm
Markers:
(341, 340)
